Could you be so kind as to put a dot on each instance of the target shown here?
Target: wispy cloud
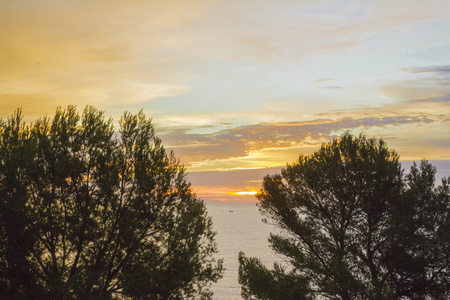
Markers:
(443, 70)
(332, 87)
(245, 142)
(322, 80)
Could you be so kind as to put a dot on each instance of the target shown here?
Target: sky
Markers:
(239, 88)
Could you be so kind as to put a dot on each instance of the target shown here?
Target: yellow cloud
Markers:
(105, 53)
(245, 193)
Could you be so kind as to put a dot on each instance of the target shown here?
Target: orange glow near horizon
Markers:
(251, 193)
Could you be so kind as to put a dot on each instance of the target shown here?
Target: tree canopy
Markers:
(353, 226)
(90, 213)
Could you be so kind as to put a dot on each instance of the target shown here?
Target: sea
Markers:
(239, 227)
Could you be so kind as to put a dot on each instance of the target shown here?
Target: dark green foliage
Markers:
(86, 213)
(258, 281)
(353, 227)
(420, 252)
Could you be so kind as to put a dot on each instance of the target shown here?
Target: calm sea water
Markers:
(239, 228)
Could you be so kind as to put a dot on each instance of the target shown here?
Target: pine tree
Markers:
(90, 213)
(353, 227)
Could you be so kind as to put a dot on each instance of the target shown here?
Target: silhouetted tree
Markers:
(88, 213)
(353, 227)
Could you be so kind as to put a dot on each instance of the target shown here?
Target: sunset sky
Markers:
(238, 88)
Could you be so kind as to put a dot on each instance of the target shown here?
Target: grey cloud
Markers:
(442, 70)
